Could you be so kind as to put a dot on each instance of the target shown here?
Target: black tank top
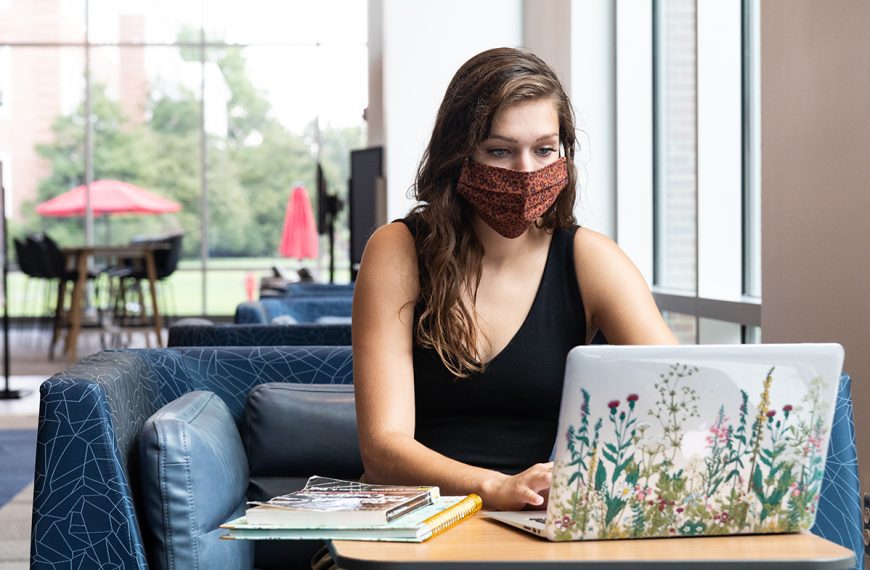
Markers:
(506, 418)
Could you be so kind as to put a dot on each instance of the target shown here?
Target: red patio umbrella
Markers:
(107, 197)
(299, 237)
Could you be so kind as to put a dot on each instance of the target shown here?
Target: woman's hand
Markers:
(526, 490)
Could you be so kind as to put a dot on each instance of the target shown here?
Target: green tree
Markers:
(251, 169)
(121, 151)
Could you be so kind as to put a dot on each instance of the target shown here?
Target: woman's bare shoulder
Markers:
(592, 247)
(389, 264)
(390, 243)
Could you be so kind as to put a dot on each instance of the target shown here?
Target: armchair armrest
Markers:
(90, 417)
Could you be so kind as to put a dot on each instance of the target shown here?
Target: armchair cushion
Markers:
(194, 475)
(286, 429)
(293, 431)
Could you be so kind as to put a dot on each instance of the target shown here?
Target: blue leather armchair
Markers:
(88, 500)
(295, 309)
(260, 335)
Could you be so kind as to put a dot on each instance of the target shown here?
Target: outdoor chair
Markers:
(27, 256)
(55, 267)
(35, 304)
(129, 282)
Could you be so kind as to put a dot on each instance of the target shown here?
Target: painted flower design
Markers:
(634, 479)
(623, 491)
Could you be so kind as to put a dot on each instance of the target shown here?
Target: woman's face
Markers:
(524, 137)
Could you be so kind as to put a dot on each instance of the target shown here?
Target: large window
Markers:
(219, 106)
(703, 157)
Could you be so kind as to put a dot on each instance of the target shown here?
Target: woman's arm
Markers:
(616, 297)
(383, 309)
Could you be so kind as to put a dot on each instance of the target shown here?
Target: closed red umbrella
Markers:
(108, 197)
(299, 236)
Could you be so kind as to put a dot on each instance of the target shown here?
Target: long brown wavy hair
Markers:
(449, 253)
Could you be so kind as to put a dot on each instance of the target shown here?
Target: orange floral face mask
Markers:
(510, 200)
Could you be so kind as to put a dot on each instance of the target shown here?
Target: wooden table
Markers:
(81, 255)
(484, 543)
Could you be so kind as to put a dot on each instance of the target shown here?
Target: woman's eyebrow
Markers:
(513, 140)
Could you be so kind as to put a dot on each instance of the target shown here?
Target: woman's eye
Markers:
(498, 152)
(546, 151)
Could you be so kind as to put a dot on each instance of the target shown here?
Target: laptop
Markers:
(659, 441)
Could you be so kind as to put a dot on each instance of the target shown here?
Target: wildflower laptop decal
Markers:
(689, 441)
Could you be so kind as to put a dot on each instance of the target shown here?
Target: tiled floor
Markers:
(15, 515)
(15, 531)
(21, 412)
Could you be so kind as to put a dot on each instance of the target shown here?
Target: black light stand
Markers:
(333, 206)
(328, 207)
(6, 394)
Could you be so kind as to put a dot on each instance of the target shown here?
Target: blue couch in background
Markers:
(260, 335)
(276, 287)
(90, 508)
(319, 289)
(294, 310)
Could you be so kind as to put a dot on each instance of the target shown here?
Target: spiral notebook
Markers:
(689, 441)
(417, 526)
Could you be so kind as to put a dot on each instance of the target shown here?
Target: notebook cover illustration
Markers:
(334, 502)
(661, 460)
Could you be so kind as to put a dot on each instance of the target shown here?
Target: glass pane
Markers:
(46, 21)
(682, 325)
(155, 21)
(42, 135)
(753, 335)
(675, 124)
(267, 129)
(42, 151)
(147, 133)
(289, 22)
(719, 332)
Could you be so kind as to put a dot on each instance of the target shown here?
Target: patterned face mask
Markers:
(510, 200)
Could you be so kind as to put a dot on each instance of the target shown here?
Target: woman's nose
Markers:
(524, 162)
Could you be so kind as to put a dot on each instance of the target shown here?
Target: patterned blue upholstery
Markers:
(300, 309)
(259, 335)
(86, 508)
(839, 516)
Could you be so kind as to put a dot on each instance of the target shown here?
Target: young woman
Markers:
(464, 311)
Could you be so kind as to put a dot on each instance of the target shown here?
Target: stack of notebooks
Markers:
(348, 510)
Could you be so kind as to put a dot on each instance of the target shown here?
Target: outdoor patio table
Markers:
(81, 255)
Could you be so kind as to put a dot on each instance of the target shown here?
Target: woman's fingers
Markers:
(529, 489)
(536, 482)
(533, 498)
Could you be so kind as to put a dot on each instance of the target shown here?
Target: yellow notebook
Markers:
(417, 526)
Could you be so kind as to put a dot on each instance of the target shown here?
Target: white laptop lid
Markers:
(692, 440)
